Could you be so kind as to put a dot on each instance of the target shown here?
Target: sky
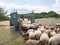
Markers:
(26, 6)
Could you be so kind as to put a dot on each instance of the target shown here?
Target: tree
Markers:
(3, 14)
(43, 14)
(52, 14)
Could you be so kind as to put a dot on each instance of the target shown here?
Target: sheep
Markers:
(26, 35)
(52, 33)
(37, 34)
(36, 24)
(46, 27)
(51, 27)
(57, 34)
(32, 26)
(58, 30)
(55, 40)
(20, 20)
(44, 38)
(30, 30)
(57, 24)
(48, 32)
(33, 42)
(25, 26)
(25, 19)
(41, 28)
(31, 34)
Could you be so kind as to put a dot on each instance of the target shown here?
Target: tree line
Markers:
(3, 14)
(47, 14)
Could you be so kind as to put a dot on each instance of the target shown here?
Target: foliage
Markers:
(3, 14)
(46, 15)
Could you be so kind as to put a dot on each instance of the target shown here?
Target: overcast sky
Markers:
(24, 6)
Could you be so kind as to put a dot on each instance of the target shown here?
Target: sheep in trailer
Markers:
(33, 42)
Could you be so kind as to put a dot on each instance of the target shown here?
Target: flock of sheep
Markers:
(36, 34)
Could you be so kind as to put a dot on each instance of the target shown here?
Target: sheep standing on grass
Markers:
(41, 28)
(32, 26)
(33, 42)
(37, 34)
(52, 33)
(44, 39)
(31, 34)
(30, 30)
(26, 37)
(55, 40)
(48, 32)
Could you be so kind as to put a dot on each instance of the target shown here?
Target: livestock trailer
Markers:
(14, 18)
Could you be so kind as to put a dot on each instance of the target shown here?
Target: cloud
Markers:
(56, 6)
(28, 8)
(22, 8)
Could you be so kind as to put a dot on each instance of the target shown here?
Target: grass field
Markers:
(8, 36)
(47, 21)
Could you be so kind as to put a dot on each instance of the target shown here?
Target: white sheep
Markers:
(20, 20)
(41, 28)
(33, 26)
(48, 32)
(52, 33)
(55, 40)
(26, 26)
(33, 42)
(58, 30)
(30, 30)
(31, 35)
(37, 34)
(34, 33)
(44, 39)
(57, 34)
